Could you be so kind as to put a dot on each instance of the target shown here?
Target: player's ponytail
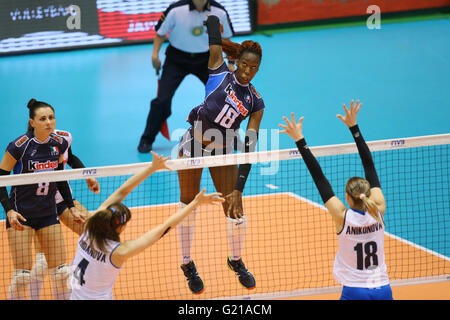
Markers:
(102, 226)
(359, 190)
(235, 50)
(32, 106)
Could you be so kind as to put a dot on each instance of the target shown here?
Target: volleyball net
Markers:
(290, 241)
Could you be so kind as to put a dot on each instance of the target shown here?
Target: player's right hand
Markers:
(13, 218)
(209, 198)
(159, 162)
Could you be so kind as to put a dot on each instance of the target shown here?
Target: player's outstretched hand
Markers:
(292, 128)
(78, 215)
(209, 198)
(93, 185)
(159, 162)
(350, 115)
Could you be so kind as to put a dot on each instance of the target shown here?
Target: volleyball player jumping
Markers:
(359, 264)
(230, 98)
(100, 254)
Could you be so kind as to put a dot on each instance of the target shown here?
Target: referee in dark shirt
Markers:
(187, 53)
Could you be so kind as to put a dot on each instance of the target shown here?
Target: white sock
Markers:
(186, 234)
(236, 234)
(38, 274)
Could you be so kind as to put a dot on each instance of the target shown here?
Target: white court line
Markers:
(439, 255)
(322, 207)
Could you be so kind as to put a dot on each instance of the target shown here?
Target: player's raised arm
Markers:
(335, 206)
(215, 42)
(131, 248)
(159, 162)
(350, 120)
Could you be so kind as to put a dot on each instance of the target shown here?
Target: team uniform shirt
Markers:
(66, 135)
(360, 260)
(227, 103)
(185, 24)
(93, 274)
(35, 200)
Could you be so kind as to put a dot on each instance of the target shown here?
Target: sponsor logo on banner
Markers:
(129, 20)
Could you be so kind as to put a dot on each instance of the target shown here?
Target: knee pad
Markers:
(238, 223)
(40, 268)
(60, 277)
(20, 282)
(189, 220)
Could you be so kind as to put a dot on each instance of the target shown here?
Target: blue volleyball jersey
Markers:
(227, 102)
(35, 200)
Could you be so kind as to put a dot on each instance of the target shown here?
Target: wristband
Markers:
(213, 26)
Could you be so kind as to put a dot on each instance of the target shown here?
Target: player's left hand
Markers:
(93, 185)
(350, 118)
(78, 215)
(233, 205)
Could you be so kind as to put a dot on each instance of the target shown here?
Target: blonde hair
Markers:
(102, 226)
(359, 190)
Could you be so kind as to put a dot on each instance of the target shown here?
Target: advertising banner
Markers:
(45, 25)
(288, 11)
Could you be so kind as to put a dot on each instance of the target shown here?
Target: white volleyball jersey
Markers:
(68, 137)
(93, 274)
(360, 260)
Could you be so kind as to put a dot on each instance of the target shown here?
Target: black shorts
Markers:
(192, 148)
(61, 207)
(38, 222)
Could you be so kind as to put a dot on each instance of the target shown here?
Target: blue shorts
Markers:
(380, 293)
(191, 148)
(61, 207)
(38, 223)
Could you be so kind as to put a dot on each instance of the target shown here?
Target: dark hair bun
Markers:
(31, 103)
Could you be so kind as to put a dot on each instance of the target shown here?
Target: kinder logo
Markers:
(40, 166)
(89, 172)
(235, 102)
